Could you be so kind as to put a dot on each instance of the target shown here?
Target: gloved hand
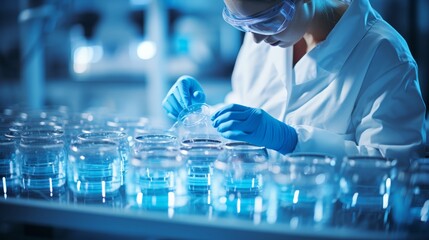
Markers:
(254, 126)
(185, 92)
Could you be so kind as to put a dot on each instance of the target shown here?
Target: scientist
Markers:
(325, 76)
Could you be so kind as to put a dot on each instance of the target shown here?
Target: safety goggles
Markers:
(267, 22)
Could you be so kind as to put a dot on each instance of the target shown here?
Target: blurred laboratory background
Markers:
(122, 56)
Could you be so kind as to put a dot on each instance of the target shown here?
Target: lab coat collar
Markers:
(350, 29)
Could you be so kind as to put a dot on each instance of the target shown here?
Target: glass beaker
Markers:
(199, 156)
(120, 138)
(302, 190)
(416, 200)
(129, 125)
(35, 126)
(74, 125)
(47, 114)
(9, 169)
(98, 127)
(154, 139)
(157, 176)
(94, 168)
(365, 190)
(194, 123)
(238, 181)
(42, 161)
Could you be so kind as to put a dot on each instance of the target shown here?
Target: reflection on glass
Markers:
(154, 139)
(156, 178)
(55, 197)
(302, 190)
(194, 123)
(365, 191)
(94, 168)
(9, 171)
(120, 138)
(411, 198)
(114, 200)
(41, 158)
(238, 181)
(131, 126)
(199, 155)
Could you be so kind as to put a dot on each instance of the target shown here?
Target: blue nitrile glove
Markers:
(185, 92)
(255, 126)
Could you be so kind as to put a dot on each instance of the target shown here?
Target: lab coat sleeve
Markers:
(388, 121)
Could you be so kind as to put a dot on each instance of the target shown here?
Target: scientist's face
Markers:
(297, 26)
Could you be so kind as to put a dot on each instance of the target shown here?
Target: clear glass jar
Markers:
(194, 123)
(153, 139)
(238, 181)
(200, 156)
(302, 190)
(9, 169)
(130, 125)
(157, 176)
(411, 198)
(94, 168)
(365, 192)
(120, 138)
(42, 161)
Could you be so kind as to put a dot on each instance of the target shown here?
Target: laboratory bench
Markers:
(64, 217)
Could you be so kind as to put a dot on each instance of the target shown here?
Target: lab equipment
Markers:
(120, 138)
(42, 161)
(98, 127)
(157, 176)
(194, 123)
(199, 155)
(268, 22)
(153, 139)
(9, 170)
(94, 168)
(38, 124)
(46, 114)
(254, 126)
(238, 181)
(74, 125)
(185, 92)
(365, 192)
(302, 190)
(132, 126)
(411, 209)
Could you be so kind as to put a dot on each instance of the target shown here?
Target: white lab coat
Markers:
(356, 93)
